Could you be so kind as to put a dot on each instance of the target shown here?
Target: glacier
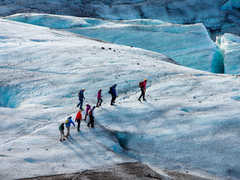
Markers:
(219, 16)
(230, 45)
(188, 45)
(189, 122)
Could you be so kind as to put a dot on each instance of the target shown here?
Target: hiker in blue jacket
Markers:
(113, 92)
(81, 98)
(68, 123)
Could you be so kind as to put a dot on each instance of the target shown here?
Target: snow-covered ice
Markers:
(190, 120)
(188, 45)
(219, 16)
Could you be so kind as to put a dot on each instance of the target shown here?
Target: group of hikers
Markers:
(89, 110)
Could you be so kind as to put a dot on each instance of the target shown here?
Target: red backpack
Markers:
(141, 84)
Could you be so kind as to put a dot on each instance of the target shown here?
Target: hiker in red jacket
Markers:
(99, 98)
(78, 119)
(143, 86)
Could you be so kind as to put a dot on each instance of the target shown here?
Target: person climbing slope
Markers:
(61, 129)
(78, 119)
(81, 98)
(91, 118)
(88, 107)
(142, 86)
(68, 123)
(113, 92)
(99, 98)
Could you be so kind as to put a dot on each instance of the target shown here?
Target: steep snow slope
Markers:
(230, 45)
(190, 121)
(188, 45)
(218, 16)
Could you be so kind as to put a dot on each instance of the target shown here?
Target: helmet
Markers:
(145, 79)
(83, 89)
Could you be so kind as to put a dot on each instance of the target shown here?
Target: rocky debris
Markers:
(185, 176)
(123, 171)
(126, 171)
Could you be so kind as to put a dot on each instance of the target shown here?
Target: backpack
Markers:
(141, 84)
(61, 127)
(110, 90)
(80, 94)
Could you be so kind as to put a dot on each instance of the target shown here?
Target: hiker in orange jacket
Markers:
(78, 119)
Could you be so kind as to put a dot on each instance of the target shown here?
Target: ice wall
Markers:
(188, 45)
(230, 45)
(218, 62)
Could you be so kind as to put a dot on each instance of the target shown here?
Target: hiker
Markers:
(81, 98)
(91, 118)
(88, 107)
(78, 119)
(113, 92)
(68, 123)
(61, 129)
(99, 98)
(142, 86)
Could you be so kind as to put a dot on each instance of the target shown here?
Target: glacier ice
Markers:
(188, 45)
(217, 16)
(230, 4)
(230, 45)
(218, 62)
(8, 96)
(189, 122)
